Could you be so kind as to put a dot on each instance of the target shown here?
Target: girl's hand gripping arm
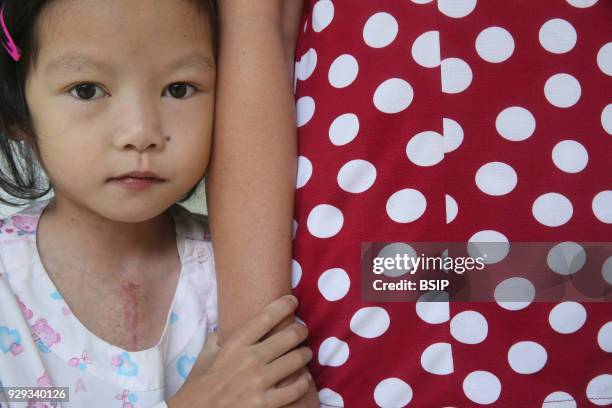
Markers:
(243, 371)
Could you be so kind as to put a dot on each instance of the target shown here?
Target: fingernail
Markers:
(292, 298)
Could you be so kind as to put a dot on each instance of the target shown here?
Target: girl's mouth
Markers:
(137, 180)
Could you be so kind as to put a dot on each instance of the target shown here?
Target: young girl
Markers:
(109, 288)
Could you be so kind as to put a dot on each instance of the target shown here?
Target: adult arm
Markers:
(251, 178)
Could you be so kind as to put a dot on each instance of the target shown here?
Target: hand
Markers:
(244, 371)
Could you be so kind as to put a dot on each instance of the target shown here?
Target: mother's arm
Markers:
(251, 179)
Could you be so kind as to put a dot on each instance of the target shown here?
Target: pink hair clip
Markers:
(7, 41)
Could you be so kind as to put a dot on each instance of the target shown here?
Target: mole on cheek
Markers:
(130, 308)
(168, 138)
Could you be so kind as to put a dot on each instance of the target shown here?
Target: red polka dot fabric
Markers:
(452, 121)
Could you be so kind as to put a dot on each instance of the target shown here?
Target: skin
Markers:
(124, 127)
(254, 156)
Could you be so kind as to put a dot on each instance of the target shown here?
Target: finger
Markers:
(207, 355)
(211, 347)
(278, 397)
(286, 365)
(283, 341)
(264, 321)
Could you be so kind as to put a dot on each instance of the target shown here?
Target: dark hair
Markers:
(21, 176)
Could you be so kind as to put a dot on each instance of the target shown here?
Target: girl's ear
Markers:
(27, 141)
(19, 135)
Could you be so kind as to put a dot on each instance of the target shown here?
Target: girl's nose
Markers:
(140, 128)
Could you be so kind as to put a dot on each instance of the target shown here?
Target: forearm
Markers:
(251, 178)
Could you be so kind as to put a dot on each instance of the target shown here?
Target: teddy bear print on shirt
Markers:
(44, 335)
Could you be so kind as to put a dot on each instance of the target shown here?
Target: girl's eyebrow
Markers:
(193, 60)
(75, 62)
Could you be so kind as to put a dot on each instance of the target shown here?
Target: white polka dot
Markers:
(559, 399)
(456, 8)
(496, 178)
(604, 337)
(344, 129)
(562, 90)
(305, 107)
(606, 119)
(325, 221)
(433, 307)
(453, 135)
(566, 258)
(494, 44)
(343, 71)
(602, 206)
(456, 75)
(380, 30)
(469, 327)
(425, 148)
(406, 205)
(604, 59)
(294, 227)
(426, 49)
(552, 209)
(392, 393)
(492, 246)
(393, 96)
(334, 284)
(481, 387)
(296, 273)
(356, 176)
(391, 251)
(333, 352)
(515, 124)
(438, 359)
(527, 357)
(370, 322)
(606, 270)
(514, 293)
(567, 317)
(599, 390)
(557, 36)
(570, 156)
(331, 398)
(322, 15)
(452, 208)
(304, 171)
(306, 65)
(582, 3)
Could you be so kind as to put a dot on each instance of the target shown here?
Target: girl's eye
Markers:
(179, 90)
(87, 91)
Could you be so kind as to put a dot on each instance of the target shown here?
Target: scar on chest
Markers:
(130, 292)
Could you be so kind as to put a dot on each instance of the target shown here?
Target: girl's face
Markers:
(121, 86)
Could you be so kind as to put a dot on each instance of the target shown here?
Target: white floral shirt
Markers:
(42, 343)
